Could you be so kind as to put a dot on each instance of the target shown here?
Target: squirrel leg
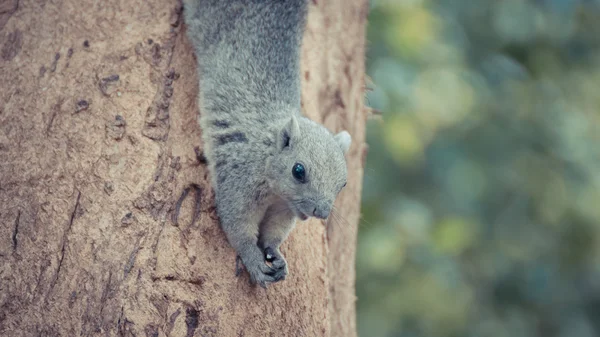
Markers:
(242, 234)
(274, 229)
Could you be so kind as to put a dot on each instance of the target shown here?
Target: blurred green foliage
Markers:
(481, 202)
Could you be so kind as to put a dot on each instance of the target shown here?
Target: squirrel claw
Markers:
(270, 254)
(278, 263)
(260, 272)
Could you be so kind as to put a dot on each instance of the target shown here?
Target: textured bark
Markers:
(107, 224)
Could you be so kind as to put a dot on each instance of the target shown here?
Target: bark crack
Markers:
(157, 122)
(105, 293)
(16, 231)
(64, 242)
(199, 282)
(55, 111)
(175, 216)
(132, 256)
(197, 204)
(171, 322)
(123, 324)
(191, 321)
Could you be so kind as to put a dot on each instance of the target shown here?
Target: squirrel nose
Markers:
(320, 213)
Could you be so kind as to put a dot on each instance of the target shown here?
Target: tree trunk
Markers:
(107, 219)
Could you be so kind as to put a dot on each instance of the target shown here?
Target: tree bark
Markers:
(107, 219)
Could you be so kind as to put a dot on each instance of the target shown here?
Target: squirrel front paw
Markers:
(274, 256)
(260, 272)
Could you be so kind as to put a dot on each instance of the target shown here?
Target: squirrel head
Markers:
(308, 168)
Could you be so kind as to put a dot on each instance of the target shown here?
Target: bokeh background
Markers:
(481, 203)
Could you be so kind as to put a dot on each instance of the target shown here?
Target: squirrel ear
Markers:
(290, 131)
(344, 140)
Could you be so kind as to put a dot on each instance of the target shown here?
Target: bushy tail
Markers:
(249, 46)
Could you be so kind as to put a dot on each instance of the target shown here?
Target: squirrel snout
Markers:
(321, 212)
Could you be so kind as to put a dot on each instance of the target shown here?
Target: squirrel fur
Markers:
(269, 165)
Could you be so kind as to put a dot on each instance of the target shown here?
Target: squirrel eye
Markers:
(299, 172)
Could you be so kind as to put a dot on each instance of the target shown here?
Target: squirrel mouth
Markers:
(302, 216)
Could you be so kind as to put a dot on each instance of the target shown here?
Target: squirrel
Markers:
(268, 164)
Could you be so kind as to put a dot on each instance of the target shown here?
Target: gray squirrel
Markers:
(268, 164)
